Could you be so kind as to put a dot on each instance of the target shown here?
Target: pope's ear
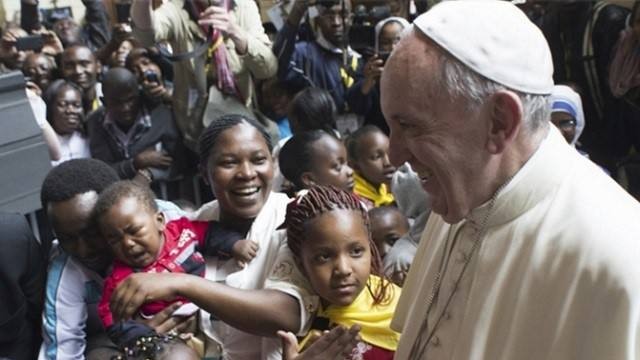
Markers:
(506, 120)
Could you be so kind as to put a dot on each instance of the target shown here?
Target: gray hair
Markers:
(460, 82)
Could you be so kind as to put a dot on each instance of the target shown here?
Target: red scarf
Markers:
(218, 54)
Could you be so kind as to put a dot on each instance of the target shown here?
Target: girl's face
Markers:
(329, 165)
(336, 257)
(240, 171)
(133, 232)
(67, 111)
(389, 37)
(373, 158)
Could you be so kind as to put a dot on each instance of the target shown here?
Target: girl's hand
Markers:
(163, 322)
(335, 344)
(140, 288)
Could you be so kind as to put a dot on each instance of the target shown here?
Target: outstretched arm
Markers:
(260, 312)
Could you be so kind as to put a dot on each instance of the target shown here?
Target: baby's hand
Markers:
(244, 251)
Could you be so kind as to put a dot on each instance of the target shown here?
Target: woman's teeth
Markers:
(247, 191)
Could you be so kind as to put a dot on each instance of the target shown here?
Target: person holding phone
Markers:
(138, 139)
(223, 48)
(388, 33)
(150, 69)
(12, 58)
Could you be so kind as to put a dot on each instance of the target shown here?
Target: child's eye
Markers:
(112, 240)
(322, 258)
(357, 252)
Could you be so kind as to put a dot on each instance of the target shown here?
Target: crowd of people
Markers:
(450, 190)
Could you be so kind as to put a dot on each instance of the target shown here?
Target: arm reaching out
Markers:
(242, 309)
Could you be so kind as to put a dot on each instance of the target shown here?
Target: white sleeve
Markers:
(65, 311)
(286, 277)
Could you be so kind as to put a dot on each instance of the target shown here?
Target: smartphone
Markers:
(122, 12)
(384, 56)
(151, 76)
(31, 42)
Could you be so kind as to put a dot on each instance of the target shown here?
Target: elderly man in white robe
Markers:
(532, 251)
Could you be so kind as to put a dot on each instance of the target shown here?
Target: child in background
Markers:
(275, 97)
(315, 158)
(368, 150)
(312, 109)
(328, 234)
(388, 224)
(129, 220)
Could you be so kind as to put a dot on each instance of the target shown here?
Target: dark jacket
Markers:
(162, 130)
(22, 281)
(305, 64)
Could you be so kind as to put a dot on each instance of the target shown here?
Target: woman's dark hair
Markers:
(313, 109)
(210, 135)
(353, 140)
(296, 155)
(319, 200)
(52, 92)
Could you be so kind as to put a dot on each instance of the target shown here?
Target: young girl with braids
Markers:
(328, 233)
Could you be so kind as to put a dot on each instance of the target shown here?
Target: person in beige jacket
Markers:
(248, 54)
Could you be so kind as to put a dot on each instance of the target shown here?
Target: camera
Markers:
(31, 42)
(151, 76)
(362, 34)
(384, 55)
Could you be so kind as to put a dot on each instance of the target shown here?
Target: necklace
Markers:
(419, 347)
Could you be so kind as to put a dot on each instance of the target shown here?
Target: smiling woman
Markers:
(235, 156)
(66, 116)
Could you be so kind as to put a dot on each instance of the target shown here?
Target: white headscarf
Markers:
(404, 23)
(565, 99)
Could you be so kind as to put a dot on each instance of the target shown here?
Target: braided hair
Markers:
(210, 135)
(322, 199)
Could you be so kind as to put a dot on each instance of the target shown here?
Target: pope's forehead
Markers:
(413, 62)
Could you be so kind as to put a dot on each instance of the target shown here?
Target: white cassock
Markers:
(556, 276)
